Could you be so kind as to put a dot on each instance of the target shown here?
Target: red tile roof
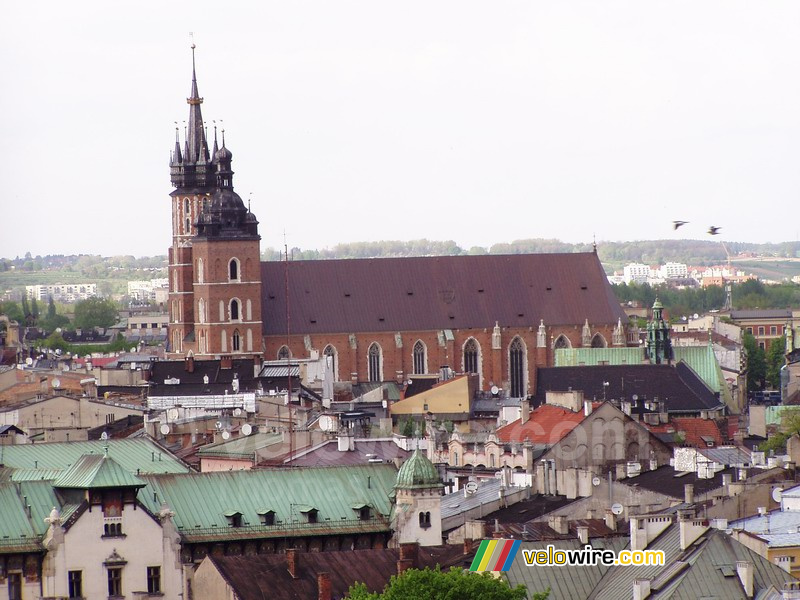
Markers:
(546, 425)
(693, 430)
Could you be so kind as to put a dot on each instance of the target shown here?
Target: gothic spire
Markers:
(196, 137)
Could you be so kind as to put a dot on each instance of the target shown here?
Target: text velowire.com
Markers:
(588, 556)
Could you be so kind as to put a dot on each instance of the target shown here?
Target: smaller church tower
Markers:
(418, 504)
(659, 346)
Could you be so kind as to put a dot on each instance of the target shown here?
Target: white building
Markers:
(148, 290)
(62, 292)
(636, 273)
(673, 270)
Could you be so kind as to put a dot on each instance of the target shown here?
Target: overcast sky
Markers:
(363, 120)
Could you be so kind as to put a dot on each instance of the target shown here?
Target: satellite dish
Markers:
(56, 383)
(777, 494)
(104, 436)
(247, 429)
(172, 413)
(635, 397)
(617, 508)
(327, 423)
(237, 412)
(226, 435)
(164, 429)
(471, 487)
(218, 424)
(595, 481)
(495, 390)
(29, 361)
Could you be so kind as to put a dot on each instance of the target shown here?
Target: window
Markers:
(236, 341)
(471, 355)
(773, 330)
(235, 310)
(75, 584)
(153, 325)
(201, 309)
(455, 459)
(374, 362)
(330, 352)
(750, 330)
(233, 269)
(419, 358)
(113, 529)
(562, 342)
(153, 580)
(200, 275)
(363, 513)
(425, 520)
(115, 581)
(15, 586)
(268, 518)
(516, 368)
(760, 330)
(284, 353)
(311, 516)
(188, 226)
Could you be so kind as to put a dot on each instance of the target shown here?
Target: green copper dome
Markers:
(417, 472)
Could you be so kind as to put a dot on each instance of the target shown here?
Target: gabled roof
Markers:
(267, 575)
(695, 431)
(97, 472)
(438, 293)
(678, 386)
(546, 425)
(200, 500)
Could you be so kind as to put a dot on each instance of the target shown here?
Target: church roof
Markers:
(438, 292)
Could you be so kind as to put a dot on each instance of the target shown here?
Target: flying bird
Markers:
(714, 230)
(676, 224)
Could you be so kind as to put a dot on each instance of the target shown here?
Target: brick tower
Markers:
(214, 260)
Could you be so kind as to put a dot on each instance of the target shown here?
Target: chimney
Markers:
(226, 362)
(611, 520)
(189, 366)
(525, 412)
(410, 552)
(467, 546)
(641, 589)
(727, 478)
(559, 524)
(583, 534)
(587, 408)
(744, 569)
(291, 560)
(324, 586)
(688, 493)
(403, 565)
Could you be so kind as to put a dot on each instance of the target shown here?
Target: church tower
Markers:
(659, 346)
(214, 260)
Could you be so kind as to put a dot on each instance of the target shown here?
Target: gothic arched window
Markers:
(330, 351)
(598, 341)
(284, 353)
(233, 269)
(374, 362)
(235, 310)
(562, 341)
(236, 342)
(471, 356)
(420, 358)
(516, 367)
(201, 310)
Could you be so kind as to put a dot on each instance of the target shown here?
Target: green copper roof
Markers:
(243, 446)
(202, 500)
(94, 472)
(17, 533)
(141, 455)
(575, 357)
(417, 472)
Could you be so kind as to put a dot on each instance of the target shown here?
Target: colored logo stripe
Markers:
(487, 555)
(495, 555)
(479, 555)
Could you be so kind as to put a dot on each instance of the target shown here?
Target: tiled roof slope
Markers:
(442, 292)
(694, 430)
(267, 576)
(201, 501)
(546, 425)
(679, 387)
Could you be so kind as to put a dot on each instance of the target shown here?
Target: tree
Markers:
(25, 308)
(756, 363)
(95, 312)
(775, 359)
(55, 341)
(435, 584)
(12, 311)
(51, 308)
(34, 308)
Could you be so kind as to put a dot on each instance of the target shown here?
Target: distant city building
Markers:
(62, 292)
(154, 290)
(636, 273)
